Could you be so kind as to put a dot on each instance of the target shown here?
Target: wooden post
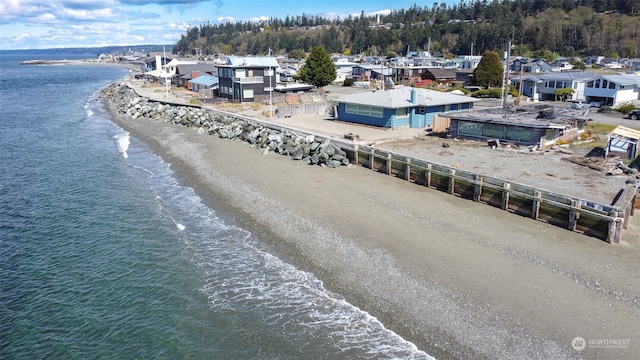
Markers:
(389, 164)
(506, 188)
(372, 158)
(356, 159)
(625, 221)
(427, 176)
(477, 190)
(535, 210)
(618, 233)
(452, 181)
(613, 235)
(407, 170)
(574, 214)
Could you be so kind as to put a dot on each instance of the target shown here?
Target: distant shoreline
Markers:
(92, 62)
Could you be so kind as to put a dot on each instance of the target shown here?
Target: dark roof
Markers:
(526, 116)
(203, 68)
(439, 73)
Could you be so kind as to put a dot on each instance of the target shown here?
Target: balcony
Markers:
(249, 80)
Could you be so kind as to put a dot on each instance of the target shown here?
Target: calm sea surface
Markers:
(105, 254)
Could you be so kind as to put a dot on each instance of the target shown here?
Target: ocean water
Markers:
(104, 253)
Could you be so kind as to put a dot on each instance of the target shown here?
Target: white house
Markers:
(613, 90)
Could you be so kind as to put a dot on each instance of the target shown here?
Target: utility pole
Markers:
(505, 82)
(270, 87)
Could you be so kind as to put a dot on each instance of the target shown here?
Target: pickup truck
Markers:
(634, 114)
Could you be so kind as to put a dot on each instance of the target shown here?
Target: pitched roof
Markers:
(400, 97)
(205, 80)
(626, 132)
(187, 68)
(439, 73)
(623, 79)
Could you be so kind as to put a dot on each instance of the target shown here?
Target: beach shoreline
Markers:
(490, 285)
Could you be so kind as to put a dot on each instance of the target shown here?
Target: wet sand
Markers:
(459, 279)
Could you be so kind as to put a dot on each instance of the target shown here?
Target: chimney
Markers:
(413, 96)
(158, 62)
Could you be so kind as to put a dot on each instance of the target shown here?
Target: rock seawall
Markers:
(309, 149)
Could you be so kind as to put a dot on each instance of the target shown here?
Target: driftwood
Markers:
(584, 162)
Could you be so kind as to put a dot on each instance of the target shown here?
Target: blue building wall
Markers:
(390, 120)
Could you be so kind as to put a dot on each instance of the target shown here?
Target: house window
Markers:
(549, 135)
(247, 94)
(376, 111)
(250, 73)
(401, 112)
(612, 85)
(597, 84)
(364, 110)
(590, 84)
(421, 110)
(469, 128)
(493, 131)
(240, 73)
(605, 84)
(268, 72)
(518, 134)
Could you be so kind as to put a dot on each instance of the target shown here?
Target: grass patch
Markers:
(599, 129)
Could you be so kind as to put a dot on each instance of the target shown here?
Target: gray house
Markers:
(527, 125)
(400, 107)
(245, 78)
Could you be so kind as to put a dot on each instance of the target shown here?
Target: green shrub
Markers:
(625, 108)
(465, 91)
(488, 93)
(348, 82)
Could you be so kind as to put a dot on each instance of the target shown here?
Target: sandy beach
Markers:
(460, 279)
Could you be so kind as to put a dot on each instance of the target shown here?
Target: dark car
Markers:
(634, 114)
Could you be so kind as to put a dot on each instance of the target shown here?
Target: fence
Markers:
(601, 221)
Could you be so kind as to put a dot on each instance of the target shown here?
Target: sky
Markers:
(45, 24)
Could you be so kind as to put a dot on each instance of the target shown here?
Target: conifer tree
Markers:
(490, 70)
(318, 70)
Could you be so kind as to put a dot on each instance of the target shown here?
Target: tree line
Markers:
(567, 27)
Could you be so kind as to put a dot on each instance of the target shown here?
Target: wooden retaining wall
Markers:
(602, 221)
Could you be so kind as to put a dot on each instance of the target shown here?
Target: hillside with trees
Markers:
(567, 27)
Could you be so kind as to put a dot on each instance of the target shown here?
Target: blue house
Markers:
(400, 107)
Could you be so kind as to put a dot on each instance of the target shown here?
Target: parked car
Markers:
(634, 114)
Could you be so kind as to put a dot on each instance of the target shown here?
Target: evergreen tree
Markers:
(489, 71)
(297, 54)
(318, 69)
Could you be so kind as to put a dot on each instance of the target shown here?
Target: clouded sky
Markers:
(42, 24)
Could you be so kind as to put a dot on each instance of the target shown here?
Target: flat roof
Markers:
(526, 116)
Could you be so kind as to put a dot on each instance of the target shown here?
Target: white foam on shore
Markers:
(242, 277)
(122, 142)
